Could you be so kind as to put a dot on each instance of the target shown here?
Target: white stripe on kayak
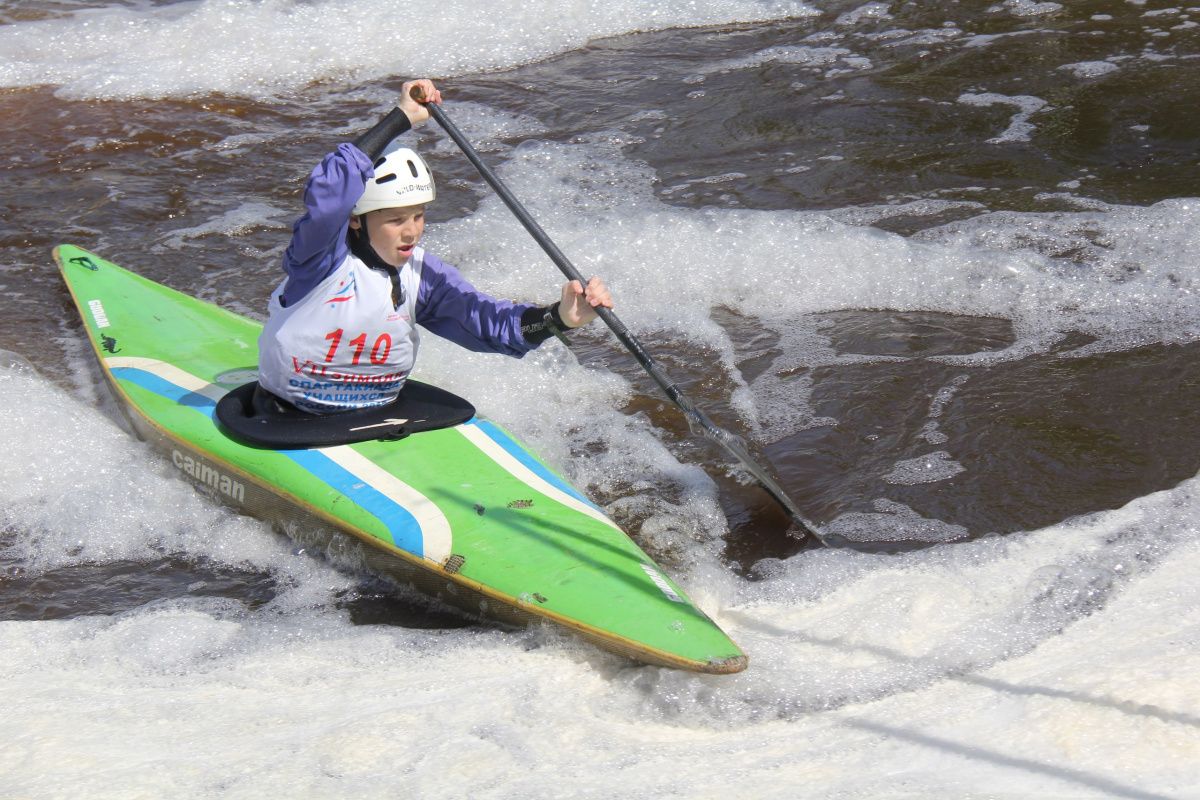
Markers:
(436, 537)
(527, 476)
(171, 373)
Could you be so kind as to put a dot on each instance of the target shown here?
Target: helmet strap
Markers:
(361, 246)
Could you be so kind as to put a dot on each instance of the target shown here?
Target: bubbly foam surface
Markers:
(265, 49)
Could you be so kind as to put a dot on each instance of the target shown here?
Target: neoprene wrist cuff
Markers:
(540, 323)
(373, 141)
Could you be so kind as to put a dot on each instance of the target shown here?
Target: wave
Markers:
(268, 48)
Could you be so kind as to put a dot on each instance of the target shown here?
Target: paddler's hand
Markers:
(416, 111)
(578, 305)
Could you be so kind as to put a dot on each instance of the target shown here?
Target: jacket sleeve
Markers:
(319, 237)
(448, 305)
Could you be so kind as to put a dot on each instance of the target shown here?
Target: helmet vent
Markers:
(400, 179)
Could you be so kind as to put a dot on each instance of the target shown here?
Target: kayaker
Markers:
(342, 329)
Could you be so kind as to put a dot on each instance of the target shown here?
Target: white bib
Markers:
(343, 345)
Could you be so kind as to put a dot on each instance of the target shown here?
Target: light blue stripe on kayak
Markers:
(401, 525)
(521, 454)
(399, 521)
(164, 388)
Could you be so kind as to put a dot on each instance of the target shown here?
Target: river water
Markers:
(935, 262)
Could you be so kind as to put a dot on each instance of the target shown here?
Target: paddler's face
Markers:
(394, 232)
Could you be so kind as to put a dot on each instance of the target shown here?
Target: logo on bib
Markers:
(345, 291)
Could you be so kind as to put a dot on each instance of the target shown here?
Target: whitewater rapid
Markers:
(1059, 661)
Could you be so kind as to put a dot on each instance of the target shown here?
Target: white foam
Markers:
(1127, 265)
(892, 522)
(1059, 662)
(264, 49)
(929, 468)
(1019, 129)
(1028, 8)
(930, 432)
(905, 38)
(870, 11)
(1090, 69)
(85, 491)
(829, 61)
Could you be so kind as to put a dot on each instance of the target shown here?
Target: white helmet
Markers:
(401, 179)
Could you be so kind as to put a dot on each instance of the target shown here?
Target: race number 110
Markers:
(379, 351)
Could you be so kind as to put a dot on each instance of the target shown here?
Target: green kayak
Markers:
(464, 513)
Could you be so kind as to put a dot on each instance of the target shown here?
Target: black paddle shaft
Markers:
(697, 419)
